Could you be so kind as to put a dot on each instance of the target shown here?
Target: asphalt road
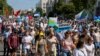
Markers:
(1, 49)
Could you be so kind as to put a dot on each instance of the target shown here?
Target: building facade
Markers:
(98, 3)
(50, 5)
(97, 9)
(47, 5)
(43, 5)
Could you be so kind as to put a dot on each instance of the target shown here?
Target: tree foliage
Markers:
(61, 8)
(58, 7)
(68, 10)
(39, 10)
(72, 8)
(3, 6)
(83, 4)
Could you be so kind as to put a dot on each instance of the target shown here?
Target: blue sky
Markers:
(22, 4)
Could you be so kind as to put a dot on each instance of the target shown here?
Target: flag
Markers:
(82, 15)
(97, 18)
(16, 12)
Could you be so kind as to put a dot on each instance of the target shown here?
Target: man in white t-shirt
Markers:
(27, 41)
(89, 46)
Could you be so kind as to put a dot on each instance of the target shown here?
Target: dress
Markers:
(41, 47)
(52, 46)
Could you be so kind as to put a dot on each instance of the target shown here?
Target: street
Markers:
(1, 49)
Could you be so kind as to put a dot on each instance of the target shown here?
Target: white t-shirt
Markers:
(80, 52)
(90, 49)
(27, 39)
(43, 25)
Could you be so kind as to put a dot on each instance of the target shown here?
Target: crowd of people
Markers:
(24, 36)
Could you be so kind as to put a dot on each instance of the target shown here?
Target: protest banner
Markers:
(52, 21)
(63, 28)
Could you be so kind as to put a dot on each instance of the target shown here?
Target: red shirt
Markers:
(13, 41)
(30, 17)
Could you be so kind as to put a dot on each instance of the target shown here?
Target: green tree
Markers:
(38, 9)
(63, 9)
(68, 10)
(75, 6)
(10, 9)
(3, 5)
(58, 7)
(83, 4)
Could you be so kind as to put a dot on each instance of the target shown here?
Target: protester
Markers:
(32, 38)
(21, 35)
(33, 41)
(89, 46)
(80, 50)
(13, 43)
(41, 46)
(27, 43)
(96, 34)
(52, 43)
(67, 44)
(6, 48)
(75, 37)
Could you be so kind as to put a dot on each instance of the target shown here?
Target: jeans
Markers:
(27, 52)
(66, 53)
(58, 50)
(97, 44)
(6, 48)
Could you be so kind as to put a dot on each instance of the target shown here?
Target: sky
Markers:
(22, 4)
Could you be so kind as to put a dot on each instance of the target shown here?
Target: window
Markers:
(44, 4)
(98, 11)
(98, 4)
(44, 7)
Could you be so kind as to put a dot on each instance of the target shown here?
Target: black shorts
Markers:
(13, 50)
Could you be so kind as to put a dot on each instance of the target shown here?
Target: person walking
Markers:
(41, 46)
(27, 43)
(52, 44)
(80, 49)
(13, 43)
(67, 45)
(5, 40)
(89, 46)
